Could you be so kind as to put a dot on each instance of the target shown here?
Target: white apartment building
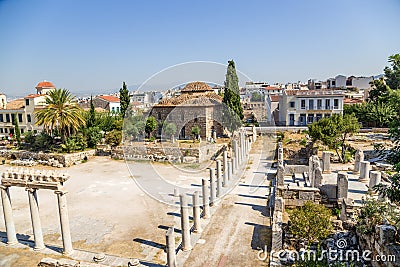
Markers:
(299, 108)
(23, 109)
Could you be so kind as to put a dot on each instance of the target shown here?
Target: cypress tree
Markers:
(233, 111)
(124, 99)
(17, 131)
(92, 114)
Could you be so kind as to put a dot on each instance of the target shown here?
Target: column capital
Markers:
(5, 187)
(30, 189)
(60, 192)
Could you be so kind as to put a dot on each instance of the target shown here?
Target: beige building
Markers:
(23, 109)
(197, 105)
(302, 107)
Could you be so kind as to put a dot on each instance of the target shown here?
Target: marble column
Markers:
(8, 215)
(357, 161)
(170, 240)
(219, 186)
(196, 213)
(235, 167)
(206, 199)
(225, 163)
(218, 168)
(213, 189)
(229, 169)
(36, 224)
(342, 185)
(365, 167)
(64, 221)
(186, 244)
(375, 178)
(326, 162)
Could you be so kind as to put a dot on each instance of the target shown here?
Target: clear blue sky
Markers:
(91, 45)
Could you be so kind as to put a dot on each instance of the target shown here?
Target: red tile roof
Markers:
(109, 98)
(352, 101)
(45, 84)
(16, 104)
(33, 95)
(270, 88)
(274, 98)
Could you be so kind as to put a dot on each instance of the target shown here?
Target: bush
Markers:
(113, 138)
(93, 136)
(311, 222)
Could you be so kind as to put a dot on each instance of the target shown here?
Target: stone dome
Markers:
(197, 87)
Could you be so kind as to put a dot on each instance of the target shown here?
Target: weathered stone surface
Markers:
(387, 234)
(359, 156)
(326, 162)
(343, 185)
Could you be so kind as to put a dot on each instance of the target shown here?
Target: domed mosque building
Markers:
(197, 105)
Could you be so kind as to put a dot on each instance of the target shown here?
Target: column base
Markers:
(363, 180)
(12, 243)
(68, 253)
(39, 248)
(187, 249)
(198, 231)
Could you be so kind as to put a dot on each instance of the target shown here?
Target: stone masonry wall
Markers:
(65, 159)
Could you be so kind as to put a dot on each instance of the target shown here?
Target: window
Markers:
(7, 117)
(303, 104)
(27, 102)
(319, 104)
(311, 104)
(1, 118)
(12, 118)
(19, 117)
(117, 109)
(1, 130)
(335, 103)
(310, 118)
(5, 130)
(327, 104)
(28, 118)
(113, 109)
(22, 130)
(292, 104)
(319, 116)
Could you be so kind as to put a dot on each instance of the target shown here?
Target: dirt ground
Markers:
(108, 212)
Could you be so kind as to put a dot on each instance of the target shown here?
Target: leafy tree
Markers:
(93, 136)
(392, 73)
(256, 97)
(61, 114)
(43, 142)
(124, 99)
(334, 131)
(113, 138)
(17, 131)
(169, 129)
(151, 125)
(382, 114)
(379, 92)
(233, 113)
(91, 120)
(29, 138)
(311, 222)
(195, 131)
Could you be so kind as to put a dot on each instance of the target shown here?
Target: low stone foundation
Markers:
(51, 159)
(174, 154)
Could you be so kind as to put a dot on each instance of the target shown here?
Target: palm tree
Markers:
(61, 113)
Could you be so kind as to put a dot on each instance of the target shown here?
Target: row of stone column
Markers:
(343, 183)
(35, 218)
(211, 190)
